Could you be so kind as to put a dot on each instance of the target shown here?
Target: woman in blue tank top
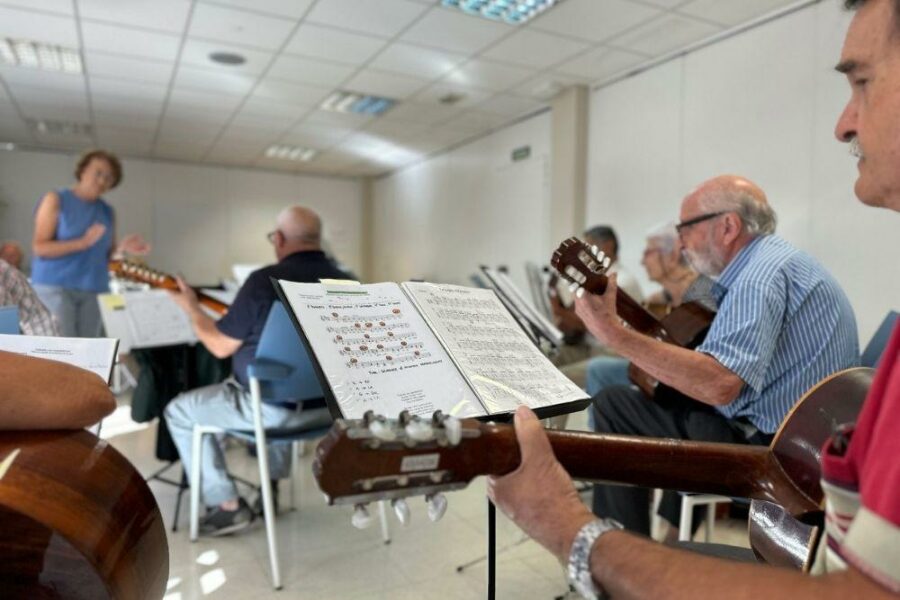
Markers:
(74, 237)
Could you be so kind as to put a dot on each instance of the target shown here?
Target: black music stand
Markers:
(334, 409)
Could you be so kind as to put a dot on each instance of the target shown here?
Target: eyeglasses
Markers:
(271, 236)
(680, 227)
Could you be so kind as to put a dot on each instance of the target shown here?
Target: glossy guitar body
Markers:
(76, 521)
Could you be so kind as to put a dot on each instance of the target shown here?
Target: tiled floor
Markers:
(323, 556)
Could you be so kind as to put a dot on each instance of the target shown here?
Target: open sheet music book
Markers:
(423, 347)
(92, 354)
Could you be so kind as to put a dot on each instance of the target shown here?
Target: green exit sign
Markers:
(521, 153)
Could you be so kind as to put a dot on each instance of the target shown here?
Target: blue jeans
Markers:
(228, 405)
(604, 372)
(76, 311)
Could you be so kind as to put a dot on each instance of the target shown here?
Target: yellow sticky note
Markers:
(113, 301)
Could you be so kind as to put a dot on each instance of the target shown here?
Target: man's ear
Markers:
(733, 226)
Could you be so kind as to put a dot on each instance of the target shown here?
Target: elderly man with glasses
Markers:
(783, 324)
(297, 243)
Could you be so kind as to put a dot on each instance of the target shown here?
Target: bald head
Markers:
(732, 193)
(298, 228)
(300, 223)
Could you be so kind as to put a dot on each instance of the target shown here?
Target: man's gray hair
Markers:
(756, 215)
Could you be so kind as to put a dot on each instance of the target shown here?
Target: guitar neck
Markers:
(737, 470)
(630, 310)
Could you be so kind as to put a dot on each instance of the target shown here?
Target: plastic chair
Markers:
(9, 320)
(875, 347)
(281, 372)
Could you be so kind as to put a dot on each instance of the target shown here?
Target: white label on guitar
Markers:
(420, 462)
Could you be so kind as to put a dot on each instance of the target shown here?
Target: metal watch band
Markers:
(579, 568)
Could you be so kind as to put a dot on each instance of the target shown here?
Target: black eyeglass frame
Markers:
(679, 227)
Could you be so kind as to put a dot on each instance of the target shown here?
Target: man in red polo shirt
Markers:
(860, 554)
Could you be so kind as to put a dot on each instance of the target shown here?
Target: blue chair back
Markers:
(9, 319)
(280, 344)
(874, 349)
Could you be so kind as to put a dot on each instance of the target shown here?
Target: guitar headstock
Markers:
(580, 264)
(374, 458)
(135, 271)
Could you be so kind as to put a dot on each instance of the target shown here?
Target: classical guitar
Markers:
(361, 461)
(133, 271)
(685, 325)
(76, 521)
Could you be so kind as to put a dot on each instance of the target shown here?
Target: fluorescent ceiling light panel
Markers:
(295, 153)
(514, 12)
(38, 55)
(65, 128)
(355, 102)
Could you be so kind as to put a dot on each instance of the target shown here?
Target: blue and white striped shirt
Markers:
(783, 325)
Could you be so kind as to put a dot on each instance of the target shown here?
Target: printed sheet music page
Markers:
(503, 366)
(377, 352)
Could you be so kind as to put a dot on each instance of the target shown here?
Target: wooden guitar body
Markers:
(76, 521)
(686, 325)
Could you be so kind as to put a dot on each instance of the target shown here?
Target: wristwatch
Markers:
(579, 569)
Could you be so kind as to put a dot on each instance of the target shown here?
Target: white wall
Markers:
(439, 220)
(761, 104)
(200, 220)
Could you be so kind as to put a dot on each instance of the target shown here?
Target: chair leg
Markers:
(295, 471)
(656, 521)
(385, 529)
(687, 514)
(710, 520)
(265, 483)
(197, 443)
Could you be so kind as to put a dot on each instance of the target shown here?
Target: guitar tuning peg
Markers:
(595, 251)
(606, 262)
(361, 518)
(401, 509)
(437, 506)
(579, 292)
(573, 287)
(383, 431)
(453, 429)
(420, 431)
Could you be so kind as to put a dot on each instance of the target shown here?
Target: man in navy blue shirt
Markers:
(297, 242)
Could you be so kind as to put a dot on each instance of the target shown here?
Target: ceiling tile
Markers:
(731, 12)
(510, 106)
(395, 129)
(284, 8)
(665, 34)
(121, 67)
(455, 32)
(126, 90)
(465, 96)
(218, 81)
(384, 18)
(129, 41)
(331, 118)
(196, 53)
(180, 151)
(535, 49)
(601, 63)
(266, 107)
(383, 83)
(191, 116)
(123, 105)
(291, 93)
(204, 100)
(595, 20)
(262, 123)
(239, 27)
(73, 110)
(137, 120)
(421, 113)
(489, 75)
(416, 60)
(331, 44)
(309, 70)
(234, 153)
(164, 15)
(320, 136)
(55, 6)
(25, 24)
